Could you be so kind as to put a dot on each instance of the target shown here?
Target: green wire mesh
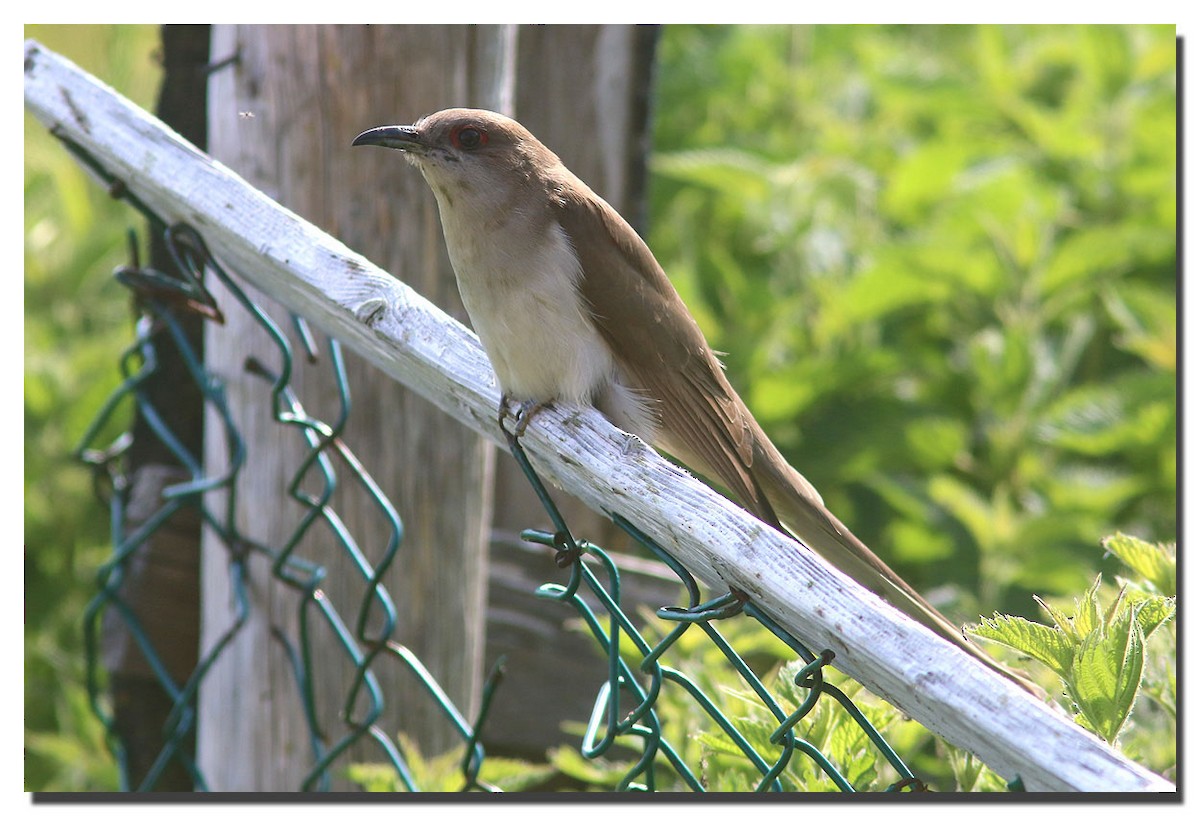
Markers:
(361, 644)
(608, 722)
(625, 708)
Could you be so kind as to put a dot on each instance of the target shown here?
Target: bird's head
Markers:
(464, 150)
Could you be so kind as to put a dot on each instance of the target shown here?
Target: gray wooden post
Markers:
(284, 116)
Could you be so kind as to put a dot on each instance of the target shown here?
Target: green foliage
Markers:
(443, 773)
(1100, 650)
(1154, 564)
(971, 775)
(829, 728)
(77, 322)
(75, 757)
(596, 774)
(942, 262)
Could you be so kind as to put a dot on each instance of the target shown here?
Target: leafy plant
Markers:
(941, 260)
(77, 323)
(1115, 642)
(834, 747)
(443, 773)
(1099, 649)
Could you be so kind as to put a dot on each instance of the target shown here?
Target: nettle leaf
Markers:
(1096, 489)
(916, 543)
(598, 772)
(1117, 606)
(923, 179)
(1087, 253)
(1153, 562)
(516, 774)
(850, 752)
(1063, 622)
(935, 442)
(718, 742)
(971, 775)
(1152, 609)
(758, 734)
(1087, 611)
(891, 283)
(1154, 612)
(1053, 647)
(1106, 675)
(965, 504)
(375, 777)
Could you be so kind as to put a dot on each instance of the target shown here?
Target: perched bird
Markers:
(571, 306)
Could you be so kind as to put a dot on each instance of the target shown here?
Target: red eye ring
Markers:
(468, 137)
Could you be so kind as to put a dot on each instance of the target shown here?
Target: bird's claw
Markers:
(523, 414)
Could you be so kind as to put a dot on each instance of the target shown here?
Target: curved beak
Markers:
(400, 137)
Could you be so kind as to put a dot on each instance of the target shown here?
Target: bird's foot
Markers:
(523, 414)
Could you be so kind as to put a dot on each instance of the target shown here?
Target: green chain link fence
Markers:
(625, 708)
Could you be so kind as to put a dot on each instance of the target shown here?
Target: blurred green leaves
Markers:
(443, 773)
(941, 260)
(77, 322)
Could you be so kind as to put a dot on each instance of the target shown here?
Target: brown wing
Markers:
(661, 351)
(703, 422)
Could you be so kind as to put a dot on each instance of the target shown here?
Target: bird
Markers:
(572, 307)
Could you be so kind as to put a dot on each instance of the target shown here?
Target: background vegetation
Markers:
(941, 261)
(77, 321)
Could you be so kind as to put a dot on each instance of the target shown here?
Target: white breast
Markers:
(519, 278)
(521, 293)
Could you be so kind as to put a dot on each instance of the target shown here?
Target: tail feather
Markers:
(802, 514)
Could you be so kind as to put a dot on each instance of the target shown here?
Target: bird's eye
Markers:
(469, 138)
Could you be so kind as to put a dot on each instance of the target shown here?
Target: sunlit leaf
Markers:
(1048, 645)
(1094, 488)
(936, 442)
(893, 283)
(1148, 318)
(1088, 617)
(1106, 674)
(601, 773)
(924, 177)
(1153, 562)
(718, 742)
(918, 543)
(1062, 621)
(1087, 254)
(375, 777)
(1152, 610)
(1157, 57)
(971, 775)
(1106, 57)
(1099, 420)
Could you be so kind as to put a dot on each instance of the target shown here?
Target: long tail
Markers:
(799, 509)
